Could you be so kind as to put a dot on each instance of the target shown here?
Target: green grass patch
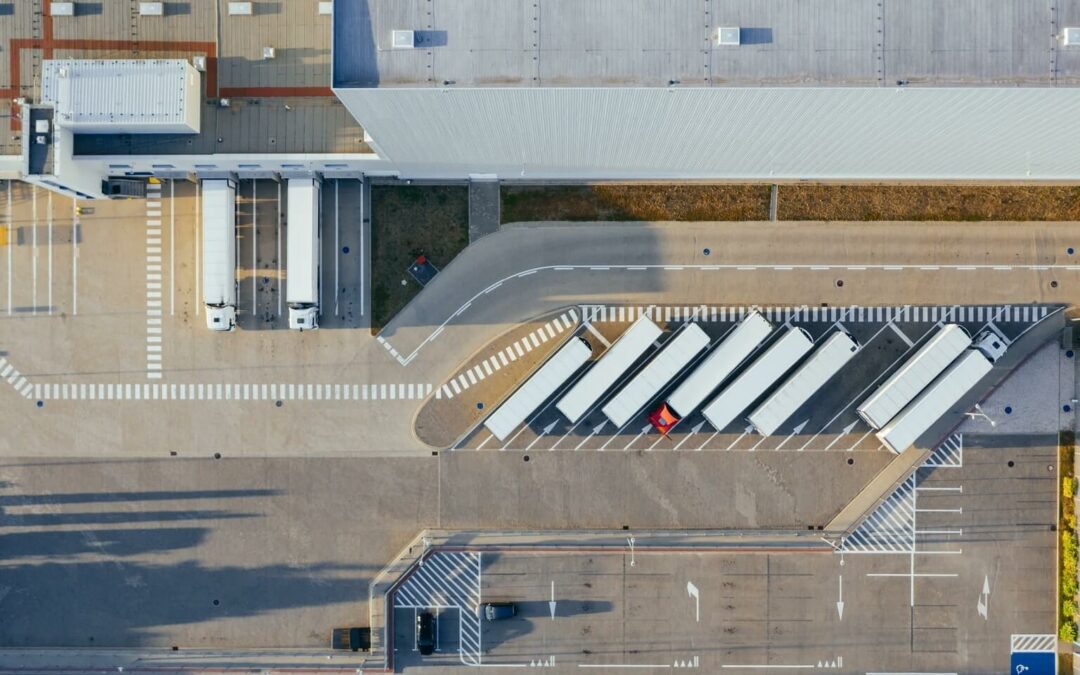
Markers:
(408, 221)
(634, 202)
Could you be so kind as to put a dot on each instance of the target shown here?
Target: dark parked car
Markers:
(493, 611)
(355, 639)
(425, 633)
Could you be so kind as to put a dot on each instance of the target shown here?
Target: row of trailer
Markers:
(303, 250)
(725, 381)
(710, 368)
(929, 384)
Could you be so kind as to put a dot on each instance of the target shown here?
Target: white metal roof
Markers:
(538, 388)
(917, 372)
(935, 401)
(123, 96)
(219, 242)
(757, 378)
(302, 239)
(647, 384)
(603, 375)
(716, 368)
(823, 364)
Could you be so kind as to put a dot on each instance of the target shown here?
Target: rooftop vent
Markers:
(403, 39)
(62, 9)
(240, 9)
(151, 9)
(728, 36)
(199, 62)
(326, 8)
(1071, 37)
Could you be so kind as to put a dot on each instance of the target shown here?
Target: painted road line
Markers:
(277, 234)
(255, 249)
(49, 264)
(153, 277)
(10, 246)
(337, 245)
(903, 336)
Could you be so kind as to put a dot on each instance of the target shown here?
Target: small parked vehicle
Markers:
(355, 639)
(494, 611)
(425, 633)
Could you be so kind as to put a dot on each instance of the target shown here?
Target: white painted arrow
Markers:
(847, 430)
(797, 430)
(693, 430)
(547, 430)
(840, 601)
(644, 430)
(983, 605)
(746, 431)
(551, 603)
(597, 429)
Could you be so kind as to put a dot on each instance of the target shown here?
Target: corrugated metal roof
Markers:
(826, 133)
(135, 93)
(653, 42)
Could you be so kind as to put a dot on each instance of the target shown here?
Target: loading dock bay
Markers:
(827, 421)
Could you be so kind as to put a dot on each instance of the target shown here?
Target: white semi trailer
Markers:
(753, 382)
(822, 366)
(541, 386)
(637, 339)
(708, 375)
(304, 244)
(934, 401)
(219, 253)
(912, 377)
(650, 380)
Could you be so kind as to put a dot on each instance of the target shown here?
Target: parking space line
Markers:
(49, 220)
(33, 250)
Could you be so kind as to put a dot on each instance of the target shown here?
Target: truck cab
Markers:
(221, 318)
(303, 317)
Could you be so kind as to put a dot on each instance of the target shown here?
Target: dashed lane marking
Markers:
(153, 281)
(127, 391)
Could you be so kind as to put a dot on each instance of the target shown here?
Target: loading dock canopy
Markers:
(538, 388)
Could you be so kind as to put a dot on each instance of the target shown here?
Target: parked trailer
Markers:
(822, 366)
(304, 244)
(674, 356)
(936, 400)
(917, 372)
(602, 376)
(712, 372)
(538, 388)
(219, 253)
(757, 378)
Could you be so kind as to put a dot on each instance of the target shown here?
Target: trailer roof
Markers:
(651, 379)
(757, 378)
(935, 401)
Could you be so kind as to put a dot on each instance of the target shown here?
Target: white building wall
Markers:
(824, 133)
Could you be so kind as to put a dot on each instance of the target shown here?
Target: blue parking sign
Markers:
(1033, 663)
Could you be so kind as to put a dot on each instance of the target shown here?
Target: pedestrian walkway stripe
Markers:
(404, 391)
(17, 380)
(476, 373)
(448, 580)
(950, 454)
(153, 281)
(1033, 643)
(890, 528)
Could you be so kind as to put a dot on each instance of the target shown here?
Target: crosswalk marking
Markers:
(449, 580)
(115, 391)
(851, 314)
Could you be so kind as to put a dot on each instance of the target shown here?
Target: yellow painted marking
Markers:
(3, 235)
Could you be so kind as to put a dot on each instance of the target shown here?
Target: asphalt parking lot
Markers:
(912, 579)
(887, 336)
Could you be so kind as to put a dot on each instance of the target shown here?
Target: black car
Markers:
(425, 633)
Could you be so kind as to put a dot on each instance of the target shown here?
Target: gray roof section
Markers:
(558, 43)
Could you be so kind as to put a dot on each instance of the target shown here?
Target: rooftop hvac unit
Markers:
(240, 9)
(269, 52)
(151, 9)
(326, 8)
(62, 9)
(1071, 37)
(199, 62)
(403, 39)
(728, 36)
